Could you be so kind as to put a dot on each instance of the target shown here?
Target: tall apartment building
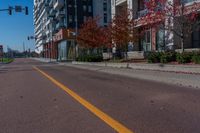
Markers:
(39, 15)
(56, 21)
(153, 39)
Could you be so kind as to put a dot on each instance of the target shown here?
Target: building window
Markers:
(84, 18)
(187, 1)
(105, 18)
(146, 41)
(160, 40)
(84, 8)
(104, 6)
(141, 5)
(196, 39)
(89, 8)
(70, 18)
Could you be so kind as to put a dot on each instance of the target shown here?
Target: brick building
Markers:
(155, 39)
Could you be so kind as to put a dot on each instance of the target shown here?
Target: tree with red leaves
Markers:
(122, 29)
(91, 35)
(174, 17)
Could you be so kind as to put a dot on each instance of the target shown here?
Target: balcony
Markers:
(188, 1)
(60, 14)
(63, 34)
(119, 2)
(58, 4)
(142, 13)
(59, 26)
(51, 3)
(52, 13)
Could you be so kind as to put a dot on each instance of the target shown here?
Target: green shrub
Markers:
(7, 60)
(167, 57)
(154, 57)
(90, 58)
(184, 57)
(196, 58)
(164, 58)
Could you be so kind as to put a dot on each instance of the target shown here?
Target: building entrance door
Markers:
(146, 41)
(160, 40)
(62, 51)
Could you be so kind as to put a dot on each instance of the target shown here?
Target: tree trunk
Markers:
(182, 44)
(126, 52)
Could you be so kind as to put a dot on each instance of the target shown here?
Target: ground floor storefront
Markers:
(158, 39)
(150, 39)
(50, 50)
(66, 50)
(62, 51)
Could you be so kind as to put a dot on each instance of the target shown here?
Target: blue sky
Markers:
(15, 29)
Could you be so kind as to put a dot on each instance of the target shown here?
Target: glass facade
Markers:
(196, 39)
(187, 1)
(160, 40)
(146, 41)
(66, 50)
(62, 50)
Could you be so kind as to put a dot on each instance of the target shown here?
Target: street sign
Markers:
(18, 8)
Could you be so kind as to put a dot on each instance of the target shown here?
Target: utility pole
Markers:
(24, 49)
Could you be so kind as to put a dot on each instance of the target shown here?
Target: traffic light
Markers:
(18, 8)
(10, 10)
(26, 10)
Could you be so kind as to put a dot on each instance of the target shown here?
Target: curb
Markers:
(149, 67)
(139, 66)
(183, 72)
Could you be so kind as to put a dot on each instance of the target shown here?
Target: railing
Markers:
(59, 25)
(188, 1)
(118, 2)
(58, 4)
(142, 13)
(60, 14)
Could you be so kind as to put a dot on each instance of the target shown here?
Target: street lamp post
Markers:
(76, 28)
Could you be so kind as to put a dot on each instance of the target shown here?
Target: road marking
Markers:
(103, 116)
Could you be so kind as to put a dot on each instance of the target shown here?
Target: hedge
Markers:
(196, 58)
(153, 57)
(90, 58)
(161, 57)
(181, 58)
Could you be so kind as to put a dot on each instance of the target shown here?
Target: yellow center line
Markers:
(103, 116)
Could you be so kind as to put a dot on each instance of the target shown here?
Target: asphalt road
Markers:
(31, 102)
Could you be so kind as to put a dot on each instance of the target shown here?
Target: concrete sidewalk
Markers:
(182, 78)
(188, 69)
(45, 60)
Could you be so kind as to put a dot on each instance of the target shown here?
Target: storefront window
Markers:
(146, 41)
(160, 43)
(196, 39)
(62, 50)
